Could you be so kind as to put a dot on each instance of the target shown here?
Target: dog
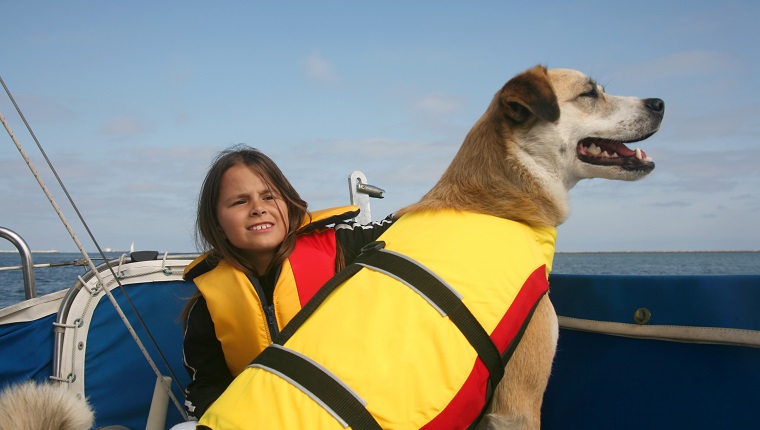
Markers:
(40, 406)
(405, 358)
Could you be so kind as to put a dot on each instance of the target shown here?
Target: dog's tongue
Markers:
(619, 148)
(624, 151)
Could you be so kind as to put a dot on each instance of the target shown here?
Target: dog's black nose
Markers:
(655, 105)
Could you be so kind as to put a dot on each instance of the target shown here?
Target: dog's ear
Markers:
(529, 94)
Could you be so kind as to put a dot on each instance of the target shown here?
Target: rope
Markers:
(86, 256)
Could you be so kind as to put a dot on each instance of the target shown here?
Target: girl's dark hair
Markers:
(209, 236)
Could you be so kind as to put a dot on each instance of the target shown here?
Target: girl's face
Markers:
(253, 217)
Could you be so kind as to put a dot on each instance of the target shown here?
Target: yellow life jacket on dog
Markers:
(240, 320)
(387, 344)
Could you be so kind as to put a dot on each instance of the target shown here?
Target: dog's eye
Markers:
(593, 93)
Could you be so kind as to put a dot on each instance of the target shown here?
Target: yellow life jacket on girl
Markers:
(394, 351)
(240, 319)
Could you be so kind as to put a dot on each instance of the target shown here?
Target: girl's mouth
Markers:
(259, 227)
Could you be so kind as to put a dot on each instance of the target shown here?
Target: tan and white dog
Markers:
(544, 131)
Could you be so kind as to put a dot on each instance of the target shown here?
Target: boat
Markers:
(665, 351)
(655, 351)
(658, 351)
(80, 339)
(114, 337)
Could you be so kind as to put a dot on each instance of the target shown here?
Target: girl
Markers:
(266, 256)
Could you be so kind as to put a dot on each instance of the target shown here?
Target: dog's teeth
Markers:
(594, 150)
(605, 154)
(638, 154)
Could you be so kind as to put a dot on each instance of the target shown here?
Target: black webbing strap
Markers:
(437, 292)
(507, 356)
(518, 336)
(409, 272)
(321, 386)
(316, 300)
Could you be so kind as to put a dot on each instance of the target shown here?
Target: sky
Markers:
(131, 101)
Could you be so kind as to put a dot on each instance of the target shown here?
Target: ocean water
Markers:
(658, 263)
(47, 279)
(51, 279)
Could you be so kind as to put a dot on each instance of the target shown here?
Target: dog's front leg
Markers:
(517, 400)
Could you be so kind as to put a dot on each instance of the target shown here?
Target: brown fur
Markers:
(518, 162)
(485, 176)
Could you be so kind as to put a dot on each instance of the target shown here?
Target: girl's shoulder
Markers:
(324, 218)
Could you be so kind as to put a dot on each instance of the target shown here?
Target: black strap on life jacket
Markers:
(426, 284)
(301, 316)
(430, 286)
(319, 384)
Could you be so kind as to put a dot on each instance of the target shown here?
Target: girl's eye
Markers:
(238, 202)
(269, 197)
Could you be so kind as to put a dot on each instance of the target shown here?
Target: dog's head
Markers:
(571, 126)
(543, 132)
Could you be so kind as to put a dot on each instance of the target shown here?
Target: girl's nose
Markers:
(258, 209)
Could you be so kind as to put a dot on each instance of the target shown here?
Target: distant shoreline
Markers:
(51, 251)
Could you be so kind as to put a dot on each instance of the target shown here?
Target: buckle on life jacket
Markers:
(373, 246)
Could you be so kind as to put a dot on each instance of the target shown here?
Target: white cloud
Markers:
(737, 125)
(319, 69)
(674, 203)
(123, 126)
(42, 109)
(438, 104)
(681, 66)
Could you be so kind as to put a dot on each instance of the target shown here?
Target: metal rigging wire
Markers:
(86, 256)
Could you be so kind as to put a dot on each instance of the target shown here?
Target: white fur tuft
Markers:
(39, 406)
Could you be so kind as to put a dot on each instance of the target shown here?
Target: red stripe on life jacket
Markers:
(465, 407)
(313, 262)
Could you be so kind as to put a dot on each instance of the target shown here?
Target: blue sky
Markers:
(132, 100)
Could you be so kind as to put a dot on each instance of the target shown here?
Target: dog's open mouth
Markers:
(605, 152)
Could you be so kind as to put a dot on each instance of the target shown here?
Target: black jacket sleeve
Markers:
(204, 361)
(352, 237)
(203, 355)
